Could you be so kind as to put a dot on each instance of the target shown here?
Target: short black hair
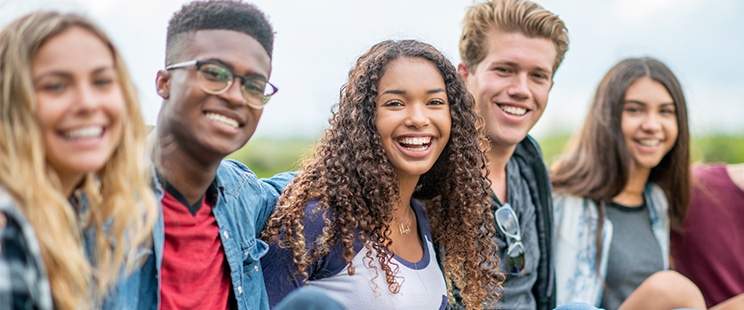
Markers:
(219, 15)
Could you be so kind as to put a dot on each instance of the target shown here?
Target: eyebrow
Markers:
(402, 92)
(232, 68)
(644, 104)
(514, 64)
(65, 74)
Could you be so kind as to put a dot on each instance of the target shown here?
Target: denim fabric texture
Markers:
(578, 277)
(243, 205)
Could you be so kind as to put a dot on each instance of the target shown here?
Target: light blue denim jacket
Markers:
(576, 218)
(243, 205)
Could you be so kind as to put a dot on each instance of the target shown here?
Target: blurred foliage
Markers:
(268, 156)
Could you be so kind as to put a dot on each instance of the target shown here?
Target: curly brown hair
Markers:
(356, 186)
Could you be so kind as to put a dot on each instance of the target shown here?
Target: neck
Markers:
(403, 212)
(632, 193)
(70, 183)
(498, 157)
(189, 176)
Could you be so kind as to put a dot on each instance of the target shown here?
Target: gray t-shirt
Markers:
(634, 253)
(517, 293)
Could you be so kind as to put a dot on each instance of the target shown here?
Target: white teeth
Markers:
(223, 119)
(513, 110)
(83, 133)
(649, 142)
(416, 140)
(415, 144)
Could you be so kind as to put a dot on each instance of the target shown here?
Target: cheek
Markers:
(49, 112)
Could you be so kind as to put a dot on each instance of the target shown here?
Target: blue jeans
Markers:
(308, 298)
(577, 306)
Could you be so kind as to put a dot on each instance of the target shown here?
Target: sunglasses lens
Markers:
(515, 259)
(507, 221)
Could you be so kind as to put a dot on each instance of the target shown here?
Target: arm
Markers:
(733, 303)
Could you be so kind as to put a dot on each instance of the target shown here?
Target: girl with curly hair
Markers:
(75, 198)
(399, 170)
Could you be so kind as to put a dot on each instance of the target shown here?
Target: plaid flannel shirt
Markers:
(23, 280)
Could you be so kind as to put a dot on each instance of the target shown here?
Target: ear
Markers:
(462, 68)
(162, 83)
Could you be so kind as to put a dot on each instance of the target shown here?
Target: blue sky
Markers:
(318, 41)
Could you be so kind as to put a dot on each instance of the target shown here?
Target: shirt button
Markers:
(255, 268)
(227, 235)
(240, 290)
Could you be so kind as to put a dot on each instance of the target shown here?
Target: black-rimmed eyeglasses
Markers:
(508, 224)
(215, 78)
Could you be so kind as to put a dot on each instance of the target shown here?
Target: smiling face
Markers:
(413, 115)
(649, 123)
(201, 123)
(80, 105)
(511, 84)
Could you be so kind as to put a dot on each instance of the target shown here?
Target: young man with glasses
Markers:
(510, 50)
(214, 88)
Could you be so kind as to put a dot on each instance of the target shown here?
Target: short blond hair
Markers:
(521, 16)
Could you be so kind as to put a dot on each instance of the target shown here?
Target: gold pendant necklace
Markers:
(404, 229)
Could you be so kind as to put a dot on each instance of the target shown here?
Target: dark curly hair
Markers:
(218, 15)
(356, 185)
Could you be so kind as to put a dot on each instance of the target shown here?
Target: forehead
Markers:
(239, 50)
(518, 48)
(75, 48)
(409, 75)
(648, 89)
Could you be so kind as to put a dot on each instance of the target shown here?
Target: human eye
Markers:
(437, 102)
(632, 108)
(215, 73)
(540, 76)
(254, 85)
(103, 80)
(393, 103)
(54, 86)
(670, 110)
(502, 70)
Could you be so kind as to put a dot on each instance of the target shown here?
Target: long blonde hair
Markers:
(121, 205)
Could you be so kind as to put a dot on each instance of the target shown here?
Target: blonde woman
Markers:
(75, 197)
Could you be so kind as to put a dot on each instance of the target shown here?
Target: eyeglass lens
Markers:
(508, 223)
(218, 79)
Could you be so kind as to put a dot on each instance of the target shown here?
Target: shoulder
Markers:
(233, 169)
(572, 209)
(658, 199)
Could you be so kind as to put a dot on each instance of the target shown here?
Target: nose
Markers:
(519, 87)
(87, 98)
(417, 117)
(651, 123)
(234, 93)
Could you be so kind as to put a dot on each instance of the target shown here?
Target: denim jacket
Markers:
(243, 205)
(576, 257)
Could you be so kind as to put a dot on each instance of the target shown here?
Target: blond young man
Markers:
(510, 51)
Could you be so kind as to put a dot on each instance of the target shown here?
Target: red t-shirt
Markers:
(194, 271)
(710, 248)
